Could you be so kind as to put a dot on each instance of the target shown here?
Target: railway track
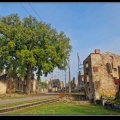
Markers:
(23, 106)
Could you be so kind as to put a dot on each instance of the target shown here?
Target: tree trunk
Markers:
(28, 80)
(9, 84)
(37, 86)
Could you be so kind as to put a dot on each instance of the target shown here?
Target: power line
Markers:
(25, 9)
(35, 11)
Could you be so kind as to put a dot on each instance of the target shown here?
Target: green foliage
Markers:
(30, 43)
(115, 101)
(43, 84)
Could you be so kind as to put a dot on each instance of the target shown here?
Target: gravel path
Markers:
(27, 99)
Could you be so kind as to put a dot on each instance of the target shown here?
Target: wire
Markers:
(25, 9)
(35, 11)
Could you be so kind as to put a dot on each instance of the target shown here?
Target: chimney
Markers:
(97, 51)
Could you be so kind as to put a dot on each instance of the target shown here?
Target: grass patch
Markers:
(115, 102)
(65, 109)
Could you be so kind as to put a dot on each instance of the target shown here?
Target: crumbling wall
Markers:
(108, 87)
(100, 71)
(3, 84)
(103, 80)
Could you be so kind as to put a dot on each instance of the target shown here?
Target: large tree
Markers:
(29, 46)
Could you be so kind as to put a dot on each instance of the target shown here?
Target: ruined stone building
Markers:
(100, 73)
(62, 86)
(35, 87)
(73, 85)
(16, 85)
(43, 89)
(21, 84)
(3, 83)
(80, 86)
(55, 85)
(49, 83)
(67, 87)
(6, 84)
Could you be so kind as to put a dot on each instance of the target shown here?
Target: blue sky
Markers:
(89, 25)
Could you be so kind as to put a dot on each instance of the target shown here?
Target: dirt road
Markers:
(27, 99)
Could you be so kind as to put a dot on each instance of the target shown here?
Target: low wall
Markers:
(112, 106)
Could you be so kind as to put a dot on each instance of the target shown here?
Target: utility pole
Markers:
(52, 75)
(69, 75)
(65, 81)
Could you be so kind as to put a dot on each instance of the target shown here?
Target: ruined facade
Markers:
(73, 85)
(55, 85)
(3, 83)
(6, 84)
(80, 81)
(67, 87)
(100, 73)
(10, 85)
(35, 86)
(21, 84)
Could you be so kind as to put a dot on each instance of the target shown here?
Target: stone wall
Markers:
(80, 85)
(55, 85)
(61, 84)
(74, 85)
(108, 87)
(98, 81)
(44, 90)
(35, 86)
(2, 87)
(88, 84)
(3, 84)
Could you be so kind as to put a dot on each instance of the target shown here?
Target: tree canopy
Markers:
(43, 84)
(28, 46)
